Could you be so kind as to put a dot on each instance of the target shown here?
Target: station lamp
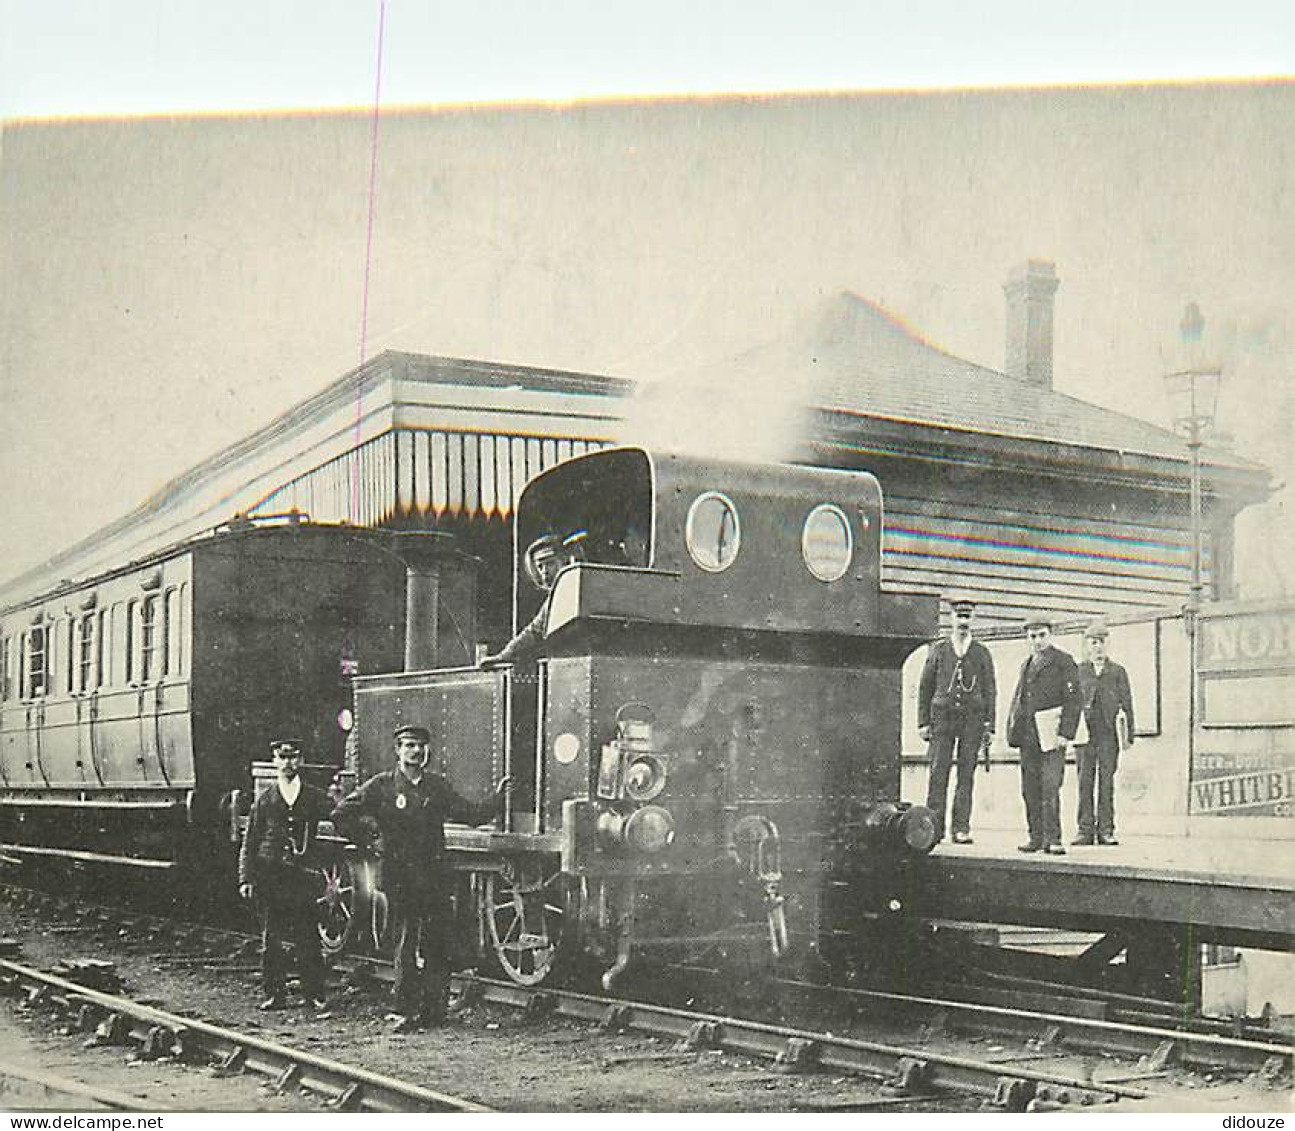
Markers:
(1193, 397)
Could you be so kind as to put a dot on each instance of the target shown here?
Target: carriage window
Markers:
(35, 681)
(713, 532)
(826, 543)
(132, 641)
(66, 635)
(109, 630)
(103, 648)
(152, 640)
(7, 668)
(51, 657)
(86, 650)
(173, 634)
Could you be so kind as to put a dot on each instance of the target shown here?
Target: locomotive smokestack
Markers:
(433, 570)
(422, 615)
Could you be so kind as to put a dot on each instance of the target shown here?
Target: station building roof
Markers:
(852, 356)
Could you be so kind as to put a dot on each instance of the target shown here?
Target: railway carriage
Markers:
(133, 703)
(709, 747)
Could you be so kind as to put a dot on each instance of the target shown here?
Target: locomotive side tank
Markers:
(711, 741)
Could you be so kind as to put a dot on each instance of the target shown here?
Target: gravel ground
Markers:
(491, 1056)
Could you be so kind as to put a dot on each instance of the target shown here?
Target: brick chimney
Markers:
(1029, 290)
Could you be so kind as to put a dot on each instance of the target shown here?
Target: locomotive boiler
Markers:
(707, 753)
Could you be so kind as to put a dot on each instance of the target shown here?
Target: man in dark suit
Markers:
(1105, 693)
(410, 807)
(1041, 725)
(955, 713)
(276, 867)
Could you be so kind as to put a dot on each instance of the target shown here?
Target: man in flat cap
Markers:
(410, 807)
(1041, 724)
(277, 866)
(1108, 710)
(955, 716)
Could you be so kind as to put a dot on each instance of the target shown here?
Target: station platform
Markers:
(1238, 892)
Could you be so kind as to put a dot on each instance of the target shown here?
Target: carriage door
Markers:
(34, 688)
(146, 663)
(85, 689)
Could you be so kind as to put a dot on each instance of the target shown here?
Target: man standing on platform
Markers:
(1041, 725)
(955, 716)
(1108, 711)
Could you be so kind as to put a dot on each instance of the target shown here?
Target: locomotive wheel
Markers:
(524, 913)
(336, 907)
(351, 909)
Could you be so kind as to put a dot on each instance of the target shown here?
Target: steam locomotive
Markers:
(709, 749)
(704, 760)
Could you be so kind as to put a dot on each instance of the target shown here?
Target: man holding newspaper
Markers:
(1108, 710)
(1045, 715)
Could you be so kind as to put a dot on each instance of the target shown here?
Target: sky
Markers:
(72, 57)
(106, 284)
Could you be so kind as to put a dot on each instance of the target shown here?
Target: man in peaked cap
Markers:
(955, 716)
(1041, 724)
(1108, 710)
(542, 562)
(410, 807)
(277, 866)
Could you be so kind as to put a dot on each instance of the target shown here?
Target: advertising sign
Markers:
(1244, 763)
(1243, 785)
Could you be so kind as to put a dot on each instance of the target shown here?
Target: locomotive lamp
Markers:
(647, 830)
(1193, 397)
(650, 829)
(644, 777)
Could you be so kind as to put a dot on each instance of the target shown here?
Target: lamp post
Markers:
(1193, 396)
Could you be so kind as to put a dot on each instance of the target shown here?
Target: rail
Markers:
(158, 1033)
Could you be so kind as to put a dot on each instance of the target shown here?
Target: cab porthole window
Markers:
(713, 532)
(826, 542)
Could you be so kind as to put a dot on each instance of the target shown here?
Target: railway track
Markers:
(23, 1089)
(155, 1033)
(903, 1069)
(1155, 1045)
(1135, 1054)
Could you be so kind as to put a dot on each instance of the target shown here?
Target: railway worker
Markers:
(275, 867)
(410, 807)
(544, 559)
(1041, 724)
(955, 716)
(1108, 712)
